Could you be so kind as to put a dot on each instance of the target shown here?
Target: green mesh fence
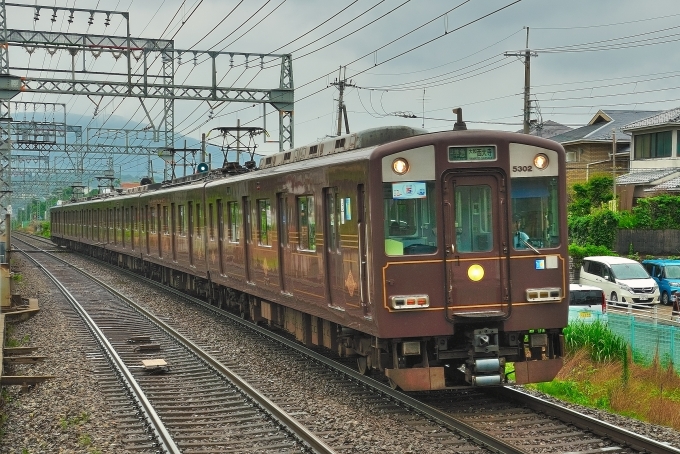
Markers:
(648, 335)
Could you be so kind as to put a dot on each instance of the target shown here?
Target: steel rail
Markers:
(281, 416)
(160, 431)
(582, 421)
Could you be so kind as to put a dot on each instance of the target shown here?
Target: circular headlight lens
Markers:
(400, 166)
(475, 273)
(540, 161)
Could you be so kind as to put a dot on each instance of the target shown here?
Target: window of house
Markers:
(264, 222)
(234, 222)
(653, 145)
(306, 223)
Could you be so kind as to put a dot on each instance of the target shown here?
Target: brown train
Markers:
(433, 258)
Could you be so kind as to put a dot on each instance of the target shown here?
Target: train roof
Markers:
(362, 139)
(366, 139)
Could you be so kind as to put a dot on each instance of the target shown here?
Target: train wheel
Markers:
(362, 365)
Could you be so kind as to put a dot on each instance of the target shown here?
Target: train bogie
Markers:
(436, 259)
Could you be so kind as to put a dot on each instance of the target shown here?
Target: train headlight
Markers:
(476, 273)
(400, 166)
(541, 161)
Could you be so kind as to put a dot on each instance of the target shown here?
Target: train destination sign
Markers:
(457, 154)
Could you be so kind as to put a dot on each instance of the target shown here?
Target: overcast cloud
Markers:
(609, 54)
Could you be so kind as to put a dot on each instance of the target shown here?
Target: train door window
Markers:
(181, 220)
(474, 211)
(133, 226)
(152, 220)
(199, 221)
(282, 210)
(410, 218)
(234, 222)
(220, 234)
(190, 210)
(166, 220)
(211, 222)
(333, 207)
(535, 212)
(264, 222)
(306, 223)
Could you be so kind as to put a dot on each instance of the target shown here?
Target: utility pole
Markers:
(527, 80)
(614, 168)
(341, 83)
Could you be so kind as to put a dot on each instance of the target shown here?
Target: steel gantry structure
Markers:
(140, 84)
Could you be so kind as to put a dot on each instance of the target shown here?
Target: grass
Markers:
(10, 341)
(599, 372)
(82, 418)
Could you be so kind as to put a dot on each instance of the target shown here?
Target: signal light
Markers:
(202, 167)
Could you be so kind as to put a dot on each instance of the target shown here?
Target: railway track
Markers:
(188, 401)
(503, 420)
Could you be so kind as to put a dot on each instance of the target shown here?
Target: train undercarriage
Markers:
(473, 356)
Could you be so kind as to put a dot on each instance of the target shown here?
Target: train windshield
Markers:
(410, 218)
(535, 212)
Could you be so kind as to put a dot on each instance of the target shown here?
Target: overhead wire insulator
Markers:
(36, 16)
(54, 15)
(90, 21)
(107, 21)
(70, 17)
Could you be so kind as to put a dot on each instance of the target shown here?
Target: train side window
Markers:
(234, 222)
(211, 222)
(181, 220)
(306, 223)
(410, 218)
(264, 222)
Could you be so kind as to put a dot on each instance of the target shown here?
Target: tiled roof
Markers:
(669, 116)
(602, 131)
(645, 176)
(673, 183)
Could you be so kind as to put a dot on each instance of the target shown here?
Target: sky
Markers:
(407, 62)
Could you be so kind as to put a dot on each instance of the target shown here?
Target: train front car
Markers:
(469, 261)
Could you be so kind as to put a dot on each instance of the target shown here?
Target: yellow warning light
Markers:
(476, 273)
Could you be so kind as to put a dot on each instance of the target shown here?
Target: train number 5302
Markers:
(522, 168)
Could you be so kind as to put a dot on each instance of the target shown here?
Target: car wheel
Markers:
(613, 298)
(664, 299)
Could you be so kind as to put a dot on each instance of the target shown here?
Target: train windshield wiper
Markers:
(531, 246)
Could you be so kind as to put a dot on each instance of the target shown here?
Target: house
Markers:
(546, 129)
(654, 158)
(589, 148)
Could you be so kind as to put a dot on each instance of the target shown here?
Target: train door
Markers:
(220, 234)
(247, 236)
(173, 232)
(476, 239)
(190, 209)
(282, 234)
(332, 252)
(362, 226)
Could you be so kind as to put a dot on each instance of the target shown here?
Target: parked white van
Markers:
(621, 279)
